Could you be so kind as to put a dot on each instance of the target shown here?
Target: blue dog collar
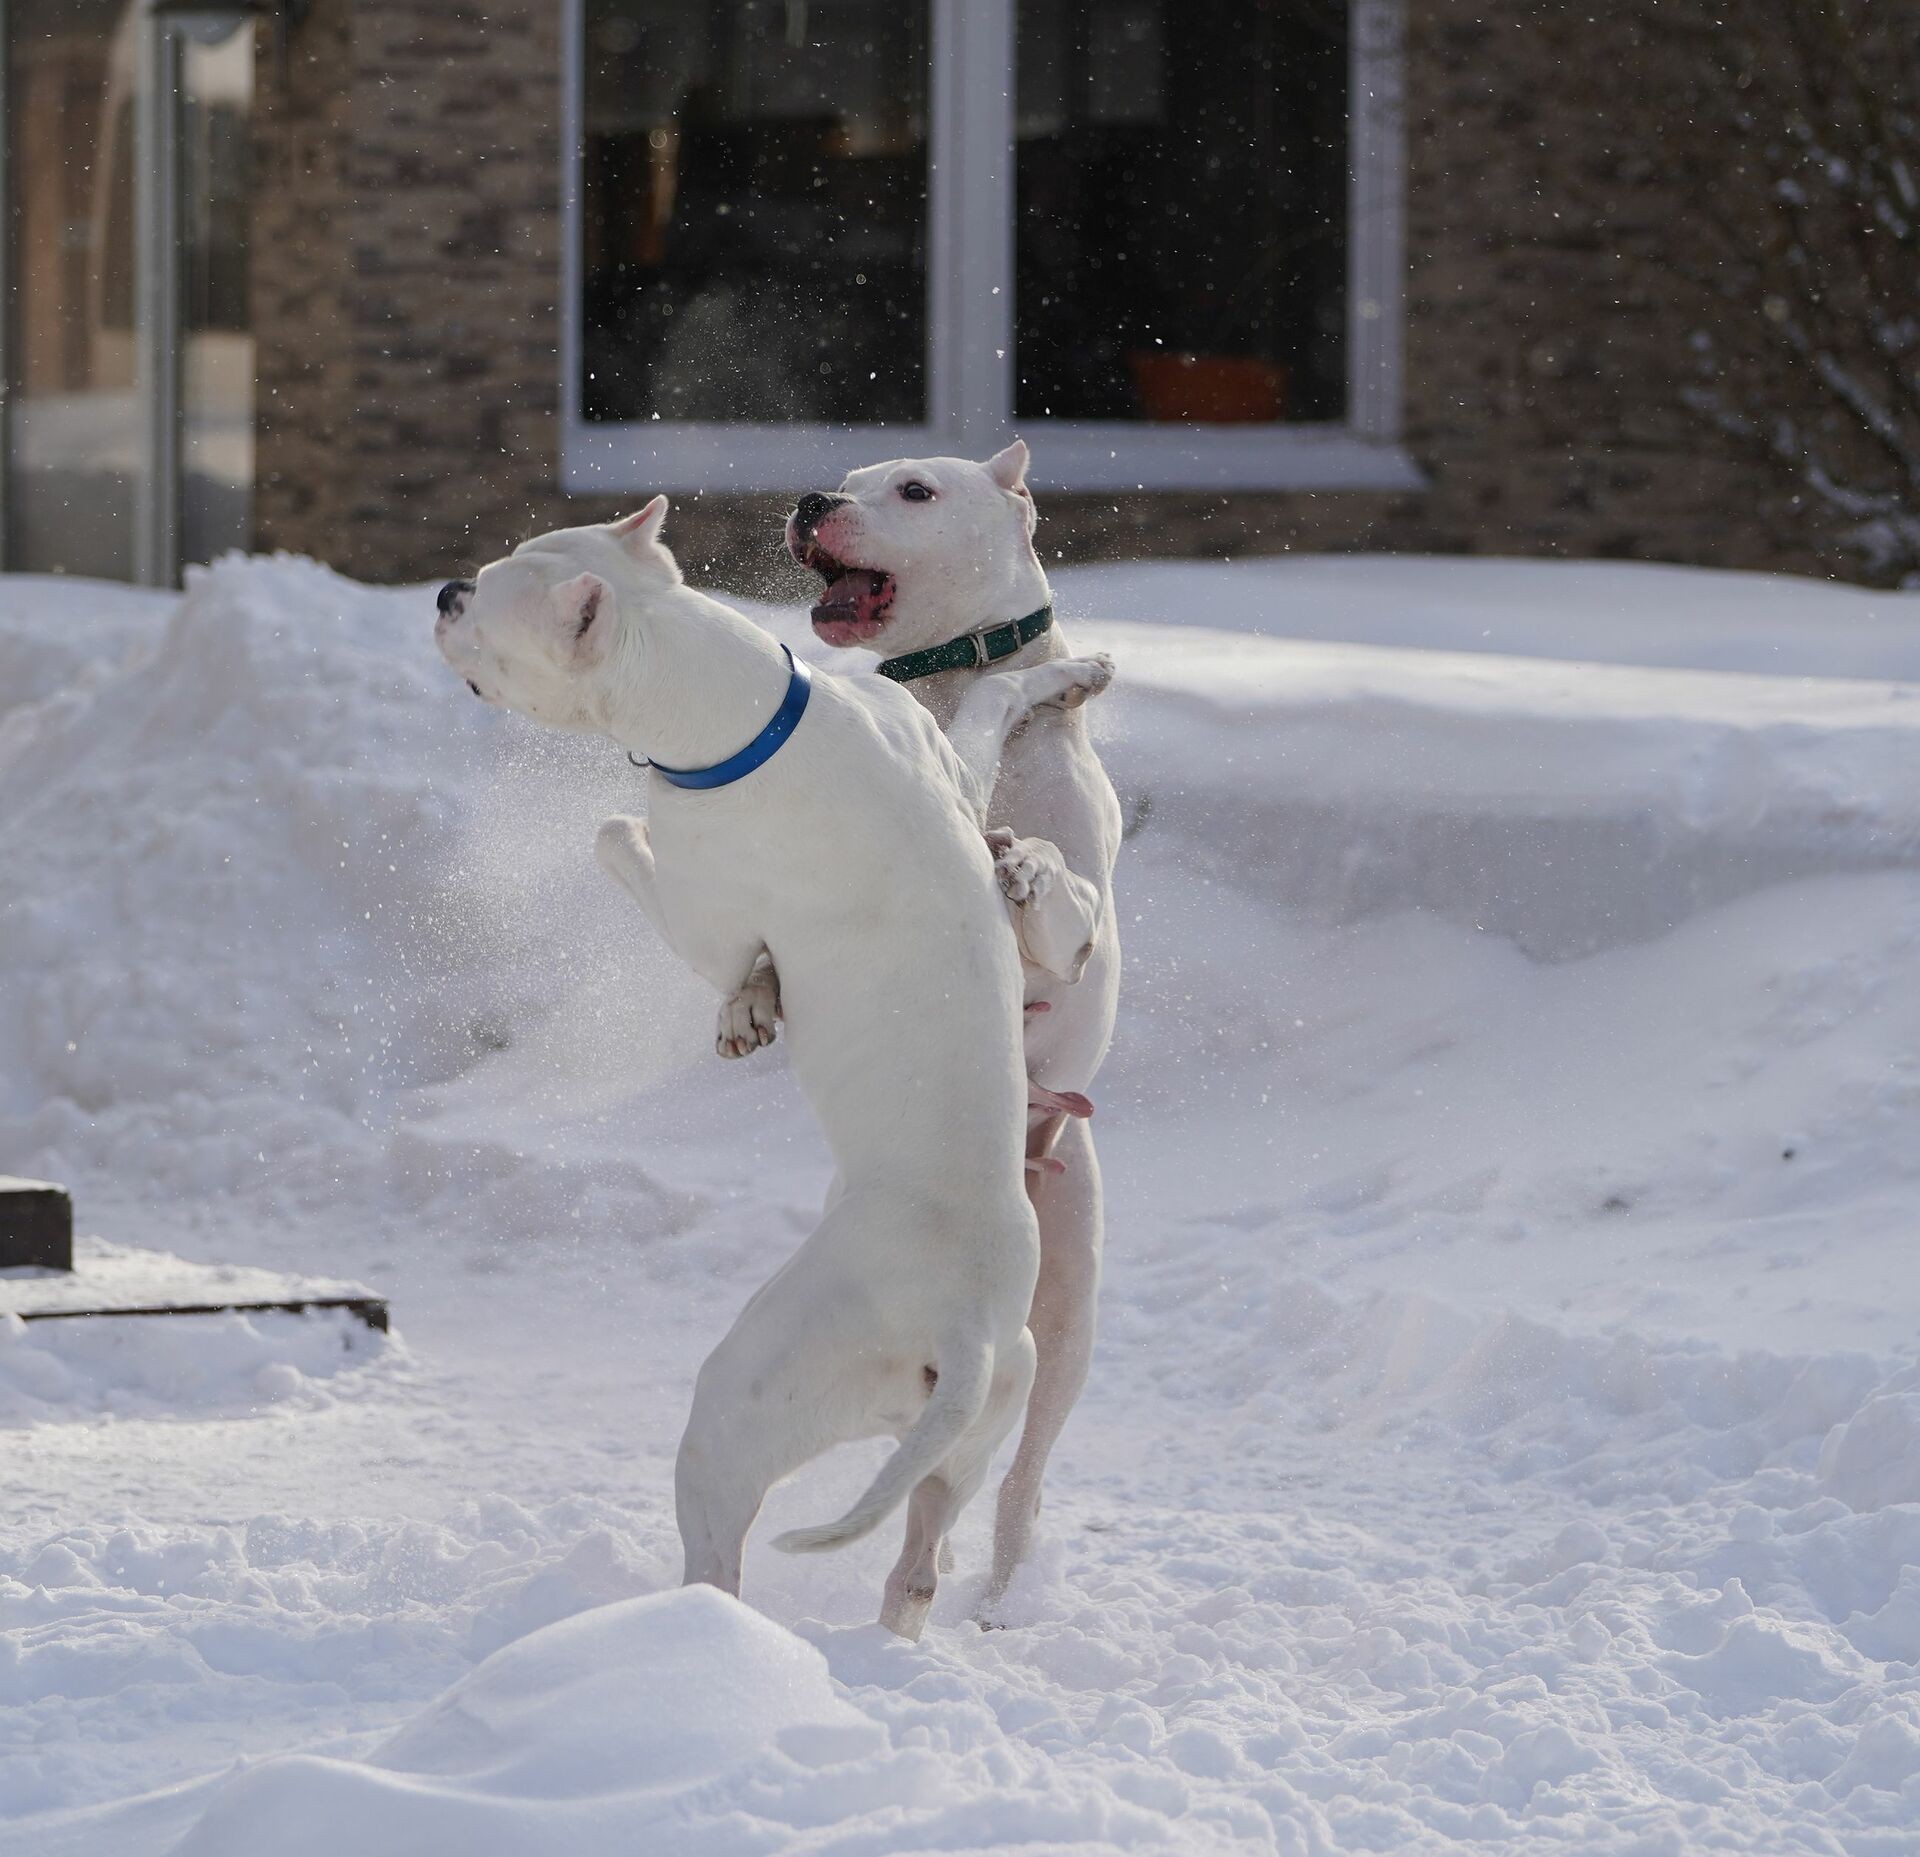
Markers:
(757, 752)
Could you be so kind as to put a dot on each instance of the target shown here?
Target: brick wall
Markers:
(409, 256)
(301, 306)
(406, 253)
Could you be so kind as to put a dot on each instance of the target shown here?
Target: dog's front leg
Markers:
(748, 1015)
(1055, 911)
(998, 704)
(625, 852)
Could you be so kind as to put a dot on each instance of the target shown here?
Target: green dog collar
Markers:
(971, 651)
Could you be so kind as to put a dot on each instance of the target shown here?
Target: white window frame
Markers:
(969, 329)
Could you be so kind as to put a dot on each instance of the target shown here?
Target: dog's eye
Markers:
(916, 492)
(475, 688)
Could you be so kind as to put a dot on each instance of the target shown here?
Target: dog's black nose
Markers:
(811, 507)
(451, 592)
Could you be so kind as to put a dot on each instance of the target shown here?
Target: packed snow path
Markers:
(1506, 1430)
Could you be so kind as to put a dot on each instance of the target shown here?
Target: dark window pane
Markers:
(754, 210)
(1181, 248)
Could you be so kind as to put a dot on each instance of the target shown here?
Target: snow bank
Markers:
(55, 631)
(1567, 808)
(1594, 612)
(285, 885)
(1502, 1429)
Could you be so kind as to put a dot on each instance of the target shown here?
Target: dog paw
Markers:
(747, 1020)
(987, 1612)
(1080, 679)
(1025, 867)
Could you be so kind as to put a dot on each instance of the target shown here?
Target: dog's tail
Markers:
(965, 1370)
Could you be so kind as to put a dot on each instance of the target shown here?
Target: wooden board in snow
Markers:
(118, 1279)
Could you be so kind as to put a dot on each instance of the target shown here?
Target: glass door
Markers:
(126, 362)
(75, 436)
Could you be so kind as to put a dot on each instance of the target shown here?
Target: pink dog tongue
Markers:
(849, 611)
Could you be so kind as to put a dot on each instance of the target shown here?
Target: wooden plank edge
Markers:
(372, 1310)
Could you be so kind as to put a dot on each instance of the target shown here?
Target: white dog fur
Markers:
(854, 857)
(958, 555)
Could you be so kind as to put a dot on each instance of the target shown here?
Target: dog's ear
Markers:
(644, 526)
(581, 612)
(1008, 468)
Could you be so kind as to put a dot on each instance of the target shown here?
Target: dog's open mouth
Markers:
(855, 604)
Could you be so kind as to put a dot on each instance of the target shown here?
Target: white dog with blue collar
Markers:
(825, 823)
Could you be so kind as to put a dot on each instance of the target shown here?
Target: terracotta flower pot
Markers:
(1208, 390)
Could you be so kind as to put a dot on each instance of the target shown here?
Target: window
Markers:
(1145, 157)
(754, 211)
(1160, 240)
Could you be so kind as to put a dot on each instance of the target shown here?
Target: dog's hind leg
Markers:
(731, 1454)
(916, 1575)
(714, 1513)
(795, 1375)
(938, 1500)
(1064, 1298)
(734, 1448)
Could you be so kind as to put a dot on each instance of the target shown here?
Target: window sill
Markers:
(625, 459)
(1095, 457)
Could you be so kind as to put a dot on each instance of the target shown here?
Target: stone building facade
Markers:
(407, 273)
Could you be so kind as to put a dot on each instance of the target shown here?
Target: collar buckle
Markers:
(983, 652)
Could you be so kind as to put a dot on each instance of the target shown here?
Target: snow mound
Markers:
(1593, 612)
(671, 1722)
(1568, 808)
(279, 882)
(54, 630)
(132, 1654)
(1873, 1459)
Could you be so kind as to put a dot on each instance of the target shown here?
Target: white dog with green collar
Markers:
(931, 562)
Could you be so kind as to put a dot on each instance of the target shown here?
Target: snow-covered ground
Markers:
(1506, 1429)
